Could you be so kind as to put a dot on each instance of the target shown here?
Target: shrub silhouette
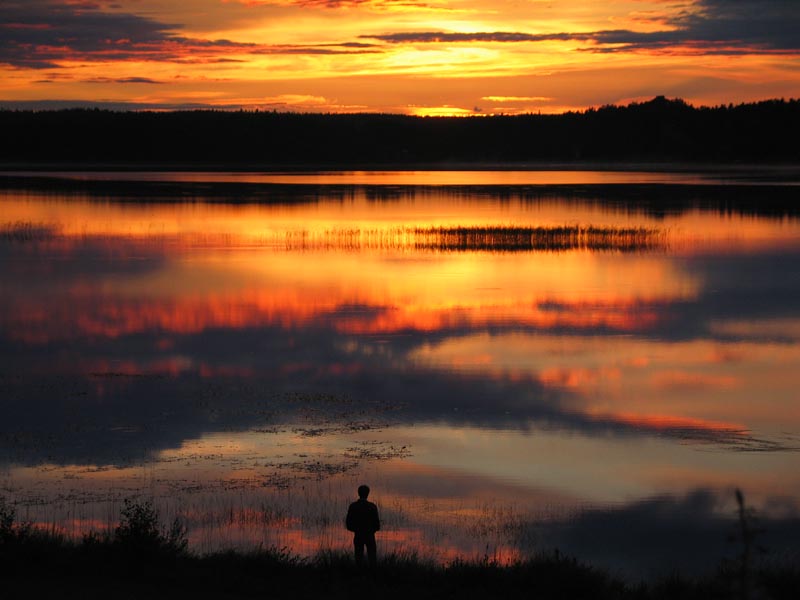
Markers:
(11, 532)
(7, 517)
(140, 532)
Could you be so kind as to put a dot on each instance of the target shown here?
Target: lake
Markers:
(514, 361)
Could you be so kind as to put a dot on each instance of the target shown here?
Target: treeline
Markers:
(657, 130)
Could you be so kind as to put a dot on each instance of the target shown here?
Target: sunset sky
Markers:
(405, 56)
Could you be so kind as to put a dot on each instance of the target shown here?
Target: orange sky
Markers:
(407, 56)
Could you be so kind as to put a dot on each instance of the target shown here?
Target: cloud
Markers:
(691, 534)
(711, 27)
(377, 5)
(409, 37)
(345, 48)
(769, 23)
(517, 98)
(41, 34)
(46, 34)
(123, 80)
(717, 26)
(122, 106)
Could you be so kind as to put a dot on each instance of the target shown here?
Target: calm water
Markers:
(513, 361)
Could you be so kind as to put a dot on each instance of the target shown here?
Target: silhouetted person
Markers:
(362, 520)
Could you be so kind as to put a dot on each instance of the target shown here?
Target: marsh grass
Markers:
(144, 558)
(528, 239)
(27, 231)
(489, 238)
(483, 238)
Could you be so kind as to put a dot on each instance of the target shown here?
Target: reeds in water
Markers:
(490, 238)
(482, 238)
(27, 231)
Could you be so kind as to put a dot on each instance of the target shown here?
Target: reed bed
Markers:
(482, 238)
(27, 231)
(490, 238)
(308, 518)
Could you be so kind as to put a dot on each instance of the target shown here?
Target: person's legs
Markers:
(358, 546)
(372, 551)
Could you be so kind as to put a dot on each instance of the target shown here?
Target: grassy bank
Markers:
(143, 558)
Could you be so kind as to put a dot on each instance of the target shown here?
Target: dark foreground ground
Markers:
(105, 572)
(143, 559)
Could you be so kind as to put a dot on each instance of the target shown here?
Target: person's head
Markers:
(363, 491)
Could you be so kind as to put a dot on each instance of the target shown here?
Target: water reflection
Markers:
(505, 177)
(473, 353)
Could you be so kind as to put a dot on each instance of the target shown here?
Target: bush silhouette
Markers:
(10, 531)
(7, 517)
(140, 532)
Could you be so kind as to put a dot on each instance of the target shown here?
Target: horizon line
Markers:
(59, 105)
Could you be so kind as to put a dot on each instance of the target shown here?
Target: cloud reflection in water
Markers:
(122, 347)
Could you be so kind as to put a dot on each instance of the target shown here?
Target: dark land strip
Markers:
(660, 130)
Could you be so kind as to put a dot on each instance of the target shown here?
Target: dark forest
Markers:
(660, 130)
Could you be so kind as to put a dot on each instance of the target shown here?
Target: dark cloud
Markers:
(109, 105)
(380, 4)
(319, 49)
(41, 34)
(719, 26)
(453, 37)
(38, 33)
(714, 26)
(123, 80)
(771, 23)
(352, 45)
(692, 534)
